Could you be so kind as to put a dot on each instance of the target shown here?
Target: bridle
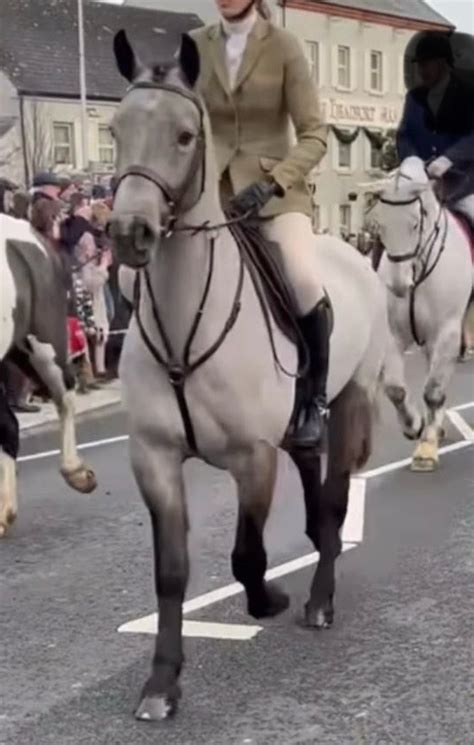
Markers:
(173, 196)
(423, 251)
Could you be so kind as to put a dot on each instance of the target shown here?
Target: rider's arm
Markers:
(303, 107)
(405, 144)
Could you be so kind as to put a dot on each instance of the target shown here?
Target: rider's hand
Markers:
(437, 168)
(256, 196)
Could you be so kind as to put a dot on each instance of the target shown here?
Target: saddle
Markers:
(273, 291)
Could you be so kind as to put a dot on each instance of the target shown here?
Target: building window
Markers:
(375, 157)
(63, 142)
(312, 54)
(316, 217)
(106, 145)
(376, 72)
(344, 155)
(344, 67)
(345, 219)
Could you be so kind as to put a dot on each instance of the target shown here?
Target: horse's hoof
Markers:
(155, 708)
(318, 618)
(269, 603)
(6, 522)
(424, 465)
(82, 479)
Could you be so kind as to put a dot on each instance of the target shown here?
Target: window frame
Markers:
(314, 61)
(110, 147)
(69, 146)
(347, 84)
(380, 72)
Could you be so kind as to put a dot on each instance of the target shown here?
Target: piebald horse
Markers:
(427, 268)
(33, 332)
(199, 373)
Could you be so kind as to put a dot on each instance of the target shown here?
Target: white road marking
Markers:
(353, 528)
(84, 446)
(461, 425)
(223, 593)
(398, 464)
(197, 629)
(461, 407)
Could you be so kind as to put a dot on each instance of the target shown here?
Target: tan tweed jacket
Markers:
(251, 124)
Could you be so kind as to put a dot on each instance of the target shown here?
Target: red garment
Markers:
(77, 342)
(467, 230)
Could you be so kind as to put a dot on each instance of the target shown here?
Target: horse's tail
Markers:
(350, 428)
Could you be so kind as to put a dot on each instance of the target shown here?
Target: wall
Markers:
(357, 107)
(11, 162)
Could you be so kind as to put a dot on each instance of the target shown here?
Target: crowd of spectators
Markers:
(71, 216)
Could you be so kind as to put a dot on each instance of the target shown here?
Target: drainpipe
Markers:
(283, 13)
(23, 142)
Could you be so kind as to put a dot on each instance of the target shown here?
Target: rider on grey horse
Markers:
(255, 80)
(438, 123)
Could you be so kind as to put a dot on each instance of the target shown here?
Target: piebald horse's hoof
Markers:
(81, 479)
(318, 618)
(155, 709)
(6, 521)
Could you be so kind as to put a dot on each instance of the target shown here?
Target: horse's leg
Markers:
(160, 479)
(9, 445)
(442, 355)
(398, 393)
(60, 383)
(255, 474)
(326, 504)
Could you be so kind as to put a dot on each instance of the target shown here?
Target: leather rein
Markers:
(423, 252)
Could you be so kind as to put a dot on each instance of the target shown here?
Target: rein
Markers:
(423, 252)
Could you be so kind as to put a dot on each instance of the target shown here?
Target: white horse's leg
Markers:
(159, 476)
(79, 476)
(9, 445)
(442, 357)
(398, 393)
(255, 473)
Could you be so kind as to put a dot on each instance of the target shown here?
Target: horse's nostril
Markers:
(144, 236)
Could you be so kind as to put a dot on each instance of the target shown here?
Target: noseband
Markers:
(172, 195)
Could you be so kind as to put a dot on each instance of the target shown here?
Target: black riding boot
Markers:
(310, 430)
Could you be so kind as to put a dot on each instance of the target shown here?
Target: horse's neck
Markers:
(180, 270)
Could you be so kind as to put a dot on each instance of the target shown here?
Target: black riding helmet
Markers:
(434, 46)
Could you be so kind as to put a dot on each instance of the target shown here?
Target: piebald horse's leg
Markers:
(398, 393)
(160, 479)
(9, 445)
(61, 387)
(255, 474)
(442, 356)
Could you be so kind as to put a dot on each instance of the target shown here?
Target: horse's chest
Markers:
(7, 302)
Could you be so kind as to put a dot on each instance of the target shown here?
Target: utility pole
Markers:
(82, 85)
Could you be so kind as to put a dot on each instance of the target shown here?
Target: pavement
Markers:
(397, 667)
(107, 395)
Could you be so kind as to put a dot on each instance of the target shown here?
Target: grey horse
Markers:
(198, 368)
(33, 331)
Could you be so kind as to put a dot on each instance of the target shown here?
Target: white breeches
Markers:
(294, 233)
(466, 207)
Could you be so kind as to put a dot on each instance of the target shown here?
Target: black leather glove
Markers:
(254, 197)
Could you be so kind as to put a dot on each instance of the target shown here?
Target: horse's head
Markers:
(405, 200)
(160, 140)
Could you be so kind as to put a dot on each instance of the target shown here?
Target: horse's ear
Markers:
(127, 63)
(189, 60)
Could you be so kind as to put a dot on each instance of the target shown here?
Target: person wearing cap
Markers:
(47, 185)
(255, 81)
(438, 122)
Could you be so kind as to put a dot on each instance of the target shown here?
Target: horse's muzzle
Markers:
(134, 238)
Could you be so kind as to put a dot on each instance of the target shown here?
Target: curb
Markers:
(109, 395)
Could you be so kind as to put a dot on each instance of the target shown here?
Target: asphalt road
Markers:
(396, 668)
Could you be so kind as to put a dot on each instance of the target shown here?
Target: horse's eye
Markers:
(185, 138)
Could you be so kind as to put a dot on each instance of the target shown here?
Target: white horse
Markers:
(428, 271)
(198, 371)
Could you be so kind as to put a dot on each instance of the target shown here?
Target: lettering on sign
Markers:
(344, 112)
